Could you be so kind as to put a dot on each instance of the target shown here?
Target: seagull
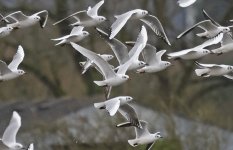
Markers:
(123, 18)
(211, 29)
(87, 64)
(77, 34)
(152, 59)
(112, 78)
(226, 45)
(4, 31)
(208, 70)
(120, 104)
(20, 20)
(11, 71)
(86, 18)
(196, 52)
(9, 135)
(143, 136)
(121, 51)
(185, 3)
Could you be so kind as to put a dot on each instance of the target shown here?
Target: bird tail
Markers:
(100, 83)
(202, 72)
(132, 143)
(99, 105)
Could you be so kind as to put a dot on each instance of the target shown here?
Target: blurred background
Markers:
(56, 101)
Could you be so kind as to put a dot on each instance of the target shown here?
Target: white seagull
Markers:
(11, 71)
(112, 78)
(121, 51)
(152, 59)
(185, 3)
(208, 70)
(143, 136)
(211, 30)
(9, 135)
(77, 34)
(196, 52)
(123, 18)
(87, 64)
(19, 20)
(120, 104)
(86, 18)
(226, 45)
(4, 31)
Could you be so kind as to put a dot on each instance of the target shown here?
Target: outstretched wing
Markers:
(227, 39)
(76, 13)
(206, 25)
(17, 59)
(18, 15)
(92, 12)
(9, 136)
(4, 68)
(98, 60)
(140, 132)
(154, 23)
(119, 49)
(77, 30)
(207, 17)
(43, 17)
(120, 22)
(185, 3)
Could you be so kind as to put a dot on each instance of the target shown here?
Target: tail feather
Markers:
(100, 105)
(202, 72)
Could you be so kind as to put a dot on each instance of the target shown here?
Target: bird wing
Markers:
(9, 135)
(98, 60)
(227, 39)
(43, 17)
(206, 25)
(154, 23)
(130, 114)
(212, 41)
(31, 147)
(18, 15)
(140, 132)
(135, 51)
(119, 49)
(17, 59)
(120, 22)
(185, 3)
(92, 12)
(159, 55)
(207, 17)
(150, 145)
(112, 106)
(76, 13)
(211, 66)
(179, 53)
(4, 68)
(149, 54)
(77, 30)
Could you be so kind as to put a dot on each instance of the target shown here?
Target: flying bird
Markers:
(211, 30)
(19, 20)
(143, 136)
(152, 59)
(121, 51)
(86, 18)
(112, 78)
(9, 135)
(87, 64)
(11, 71)
(185, 3)
(77, 34)
(121, 105)
(208, 70)
(196, 52)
